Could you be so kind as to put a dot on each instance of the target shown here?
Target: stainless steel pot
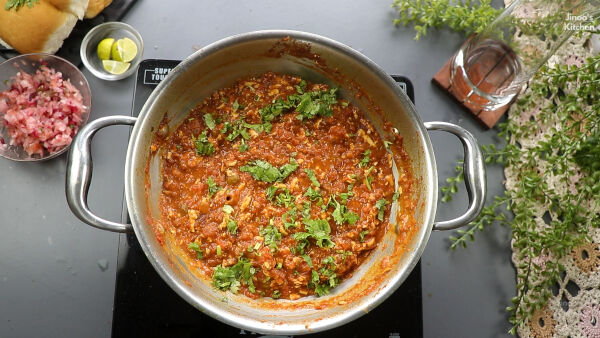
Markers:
(317, 59)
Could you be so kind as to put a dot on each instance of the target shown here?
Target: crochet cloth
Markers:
(574, 309)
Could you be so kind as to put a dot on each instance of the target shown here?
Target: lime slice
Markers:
(115, 67)
(104, 48)
(124, 50)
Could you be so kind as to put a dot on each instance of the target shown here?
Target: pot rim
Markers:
(420, 238)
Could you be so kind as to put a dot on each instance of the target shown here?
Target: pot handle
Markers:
(474, 173)
(79, 173)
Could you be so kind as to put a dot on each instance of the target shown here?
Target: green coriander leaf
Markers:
(380, 205)
(219, 250)
(203, 145)
(230, 278)
(312, 194)
(271, 235)
(228, 209)
(366, 158)
(212, 186)
(209, 121)
(17, 4)
(264, 171)
(232, 226)
(243, 146)
(318, 229)
(196, 247)
(308, 260)
(312, 177)
(362, 235)
(368, 181)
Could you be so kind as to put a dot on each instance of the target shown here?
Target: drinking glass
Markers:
(490, 68)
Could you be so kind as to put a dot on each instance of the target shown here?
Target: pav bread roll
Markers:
(41, 28)
(76, 7)
(95, 7)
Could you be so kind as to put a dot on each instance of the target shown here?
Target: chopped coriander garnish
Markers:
(395, 196)
(212, 186)
(301, 88)
(366, 158)
(312, 194)
(232, 226)
(306, 210)
(276, 294)
(271, 235)
(362, 235)
(210, 121)
(308, 260)
(341, 214)
(313, 104)
(266, 172)
(318, 229)
(346, 195)
(344, 104)
(368, 181)
(203, 145)
(323, 288)
(243, 146)
(312, 177)
(279, 265)
(292, 218)
(235, 105)
(380, 205)
(230, 278)
(219, 250)
(196, 247)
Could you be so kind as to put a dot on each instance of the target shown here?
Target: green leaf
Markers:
(312, 177)
(230, 278)
(209, 121)
(365, 160)
(318, 229)
(380, 206)
(212, 186)
(271, 235)
(232, 226)
(203, 145)
(264, 171)
(17, 4)
(196, 247)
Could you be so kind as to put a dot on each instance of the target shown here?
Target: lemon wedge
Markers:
(115, 67)
(104, 48)
(124, 50)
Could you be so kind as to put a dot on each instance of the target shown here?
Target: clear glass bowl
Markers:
(115, 30)
(29, 63)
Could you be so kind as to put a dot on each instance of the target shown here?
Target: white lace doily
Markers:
(574, 309)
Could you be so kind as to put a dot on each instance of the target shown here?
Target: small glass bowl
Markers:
(115, 30)
(29, 63)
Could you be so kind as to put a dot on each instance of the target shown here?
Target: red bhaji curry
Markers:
(276, 187)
